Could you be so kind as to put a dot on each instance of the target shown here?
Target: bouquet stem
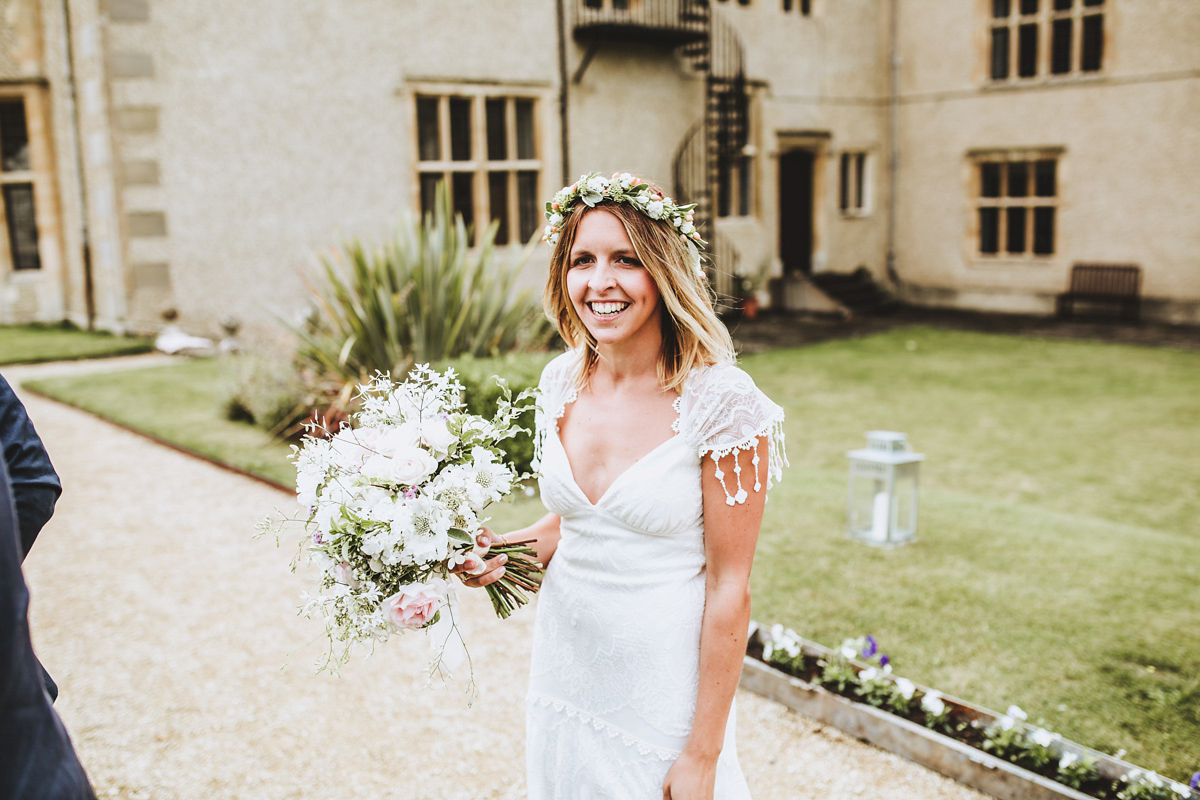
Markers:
(521, 572)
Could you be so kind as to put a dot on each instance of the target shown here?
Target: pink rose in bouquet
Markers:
(415, 605)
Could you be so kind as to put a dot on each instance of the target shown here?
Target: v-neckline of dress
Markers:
(604, 495)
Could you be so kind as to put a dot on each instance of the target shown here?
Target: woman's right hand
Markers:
(492, 569)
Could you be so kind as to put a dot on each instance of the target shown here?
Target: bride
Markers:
(655, 454)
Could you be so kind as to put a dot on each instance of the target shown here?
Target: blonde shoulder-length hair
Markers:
(693, 336)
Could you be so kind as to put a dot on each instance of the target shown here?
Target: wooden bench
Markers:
(1105, 288)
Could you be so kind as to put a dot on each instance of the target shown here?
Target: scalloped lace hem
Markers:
(607, 728)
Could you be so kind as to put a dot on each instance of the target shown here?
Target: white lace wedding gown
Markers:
(616, 645)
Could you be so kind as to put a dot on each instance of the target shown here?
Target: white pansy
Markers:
(1016, 713)
(848, 651)
(1068, 760)
(1043, 737)
(933, 704)
(869, 674)
(1006, 723)
(906, 688)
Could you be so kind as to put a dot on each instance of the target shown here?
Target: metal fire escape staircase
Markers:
(713, 145)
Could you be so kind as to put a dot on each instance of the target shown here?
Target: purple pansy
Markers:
(871, 648)
(1195, 783)
(883, 660)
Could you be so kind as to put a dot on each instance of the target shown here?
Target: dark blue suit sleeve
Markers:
(35, 484)
(37, 759)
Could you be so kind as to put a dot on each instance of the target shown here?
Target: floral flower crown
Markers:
(624, 188)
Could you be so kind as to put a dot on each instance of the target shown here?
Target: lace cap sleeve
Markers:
(556, 388)
(722, 411)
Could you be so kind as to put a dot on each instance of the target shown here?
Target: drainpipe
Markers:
(89, 291)
(562, 92)
(893, 135)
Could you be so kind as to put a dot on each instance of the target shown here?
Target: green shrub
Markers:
(267, 391)
(426, 295)
(481, 392)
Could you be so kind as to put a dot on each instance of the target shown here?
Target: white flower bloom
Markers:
(1016, 713)
(869, 674)
(643, 199)
(1043, 737)
(597, 185)
(654, 209)
(933, 704)
(1068, 760)
(1006, 723)
(436, 435)
(626, 180)
(688, 228)
(906, 688)
(848, 651)
(554, 220)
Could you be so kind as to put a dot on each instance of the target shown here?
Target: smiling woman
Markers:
(652, 447)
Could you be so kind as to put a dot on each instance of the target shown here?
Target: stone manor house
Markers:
(196, 154)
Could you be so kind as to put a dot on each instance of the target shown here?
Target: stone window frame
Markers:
(39, 175)
(1044, 40)
(1001, 198)
(476, 168)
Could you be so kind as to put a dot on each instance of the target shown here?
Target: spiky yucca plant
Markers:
(423, 296)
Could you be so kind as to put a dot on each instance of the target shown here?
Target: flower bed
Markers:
(853, 688)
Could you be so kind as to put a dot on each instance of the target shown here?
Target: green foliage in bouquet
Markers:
(423, 296)
(482, 393)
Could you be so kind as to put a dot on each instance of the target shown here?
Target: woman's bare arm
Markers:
(730, 535)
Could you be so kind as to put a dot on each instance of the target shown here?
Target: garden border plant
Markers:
(859, 672)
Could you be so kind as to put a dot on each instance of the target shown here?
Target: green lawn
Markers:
(30, 344)
(1057, 564)
(181, 404)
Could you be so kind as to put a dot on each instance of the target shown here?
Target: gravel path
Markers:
(185, 672)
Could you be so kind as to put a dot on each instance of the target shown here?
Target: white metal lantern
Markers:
(883, 490)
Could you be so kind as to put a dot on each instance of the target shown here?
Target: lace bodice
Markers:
(719, 411)
(615, 665)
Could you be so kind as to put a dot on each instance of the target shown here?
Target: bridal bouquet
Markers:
(394, 501)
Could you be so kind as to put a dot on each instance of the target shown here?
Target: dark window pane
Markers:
(806, 7)
(860, 164)
(620, 5)
(1063, 5)
(22, 226)
(527, 203)
(429, 146)
(1027, 39)
(462, 184)
(526, 141)
(1018, 179)
(593, 3)
(787, 5)
(497, 129)
(1093, 43)
(989, 230)
(429, 182)
(744, 167)
(1093, 2)
(1014, 218)
(1043, 230)
(724, 186)
(844, 183)
(989, 179)
(1001, 8)
(14, 136)
(1000, 37)
(1044, 178)
(1060, 46)
(460, 128)
(498, 203)
(1029, 6)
